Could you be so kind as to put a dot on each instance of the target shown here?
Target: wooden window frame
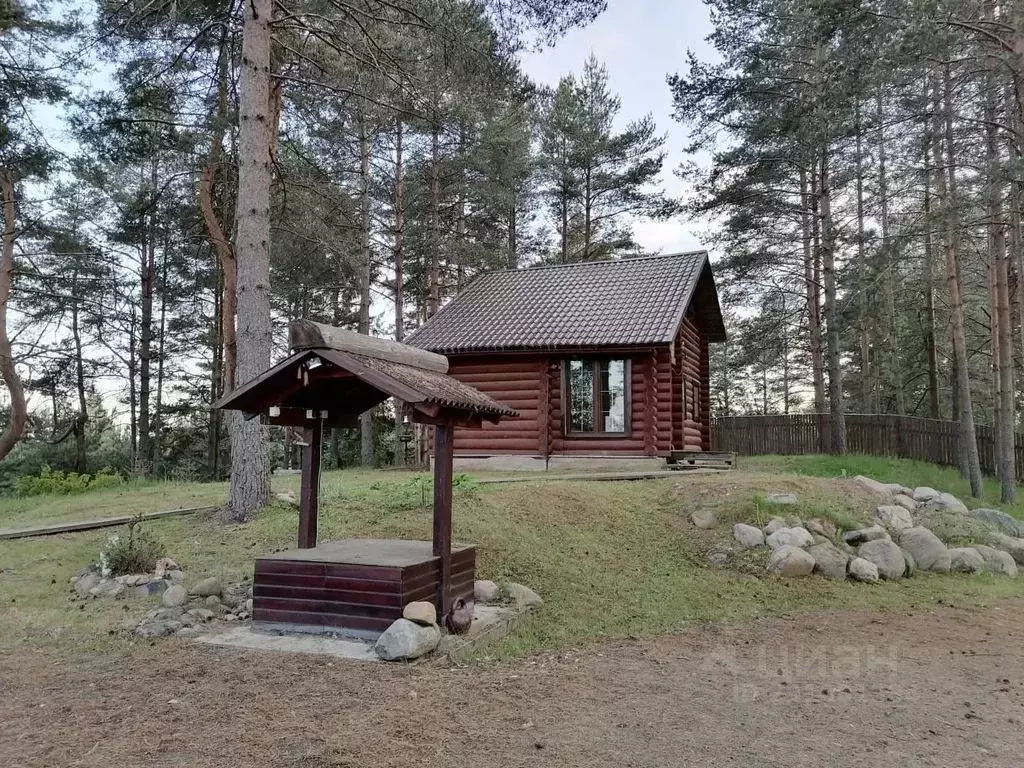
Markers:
(627, 403)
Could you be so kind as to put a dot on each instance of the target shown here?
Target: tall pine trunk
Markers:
(931, 355)
(810, 229)
(147, 279)
(831, 311)
(434, 277)
(398, 258)
(365, 278)
(250, 477)
(19, 408)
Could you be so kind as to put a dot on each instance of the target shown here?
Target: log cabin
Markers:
(606, 362)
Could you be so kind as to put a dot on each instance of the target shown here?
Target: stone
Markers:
(135, 579)
(905, 501)
(924, 493)
(896, 489)
(158, 628)
(966, 560)
(862, 570)
(947, 502)
(405, 640)
(748, 535)
(1014, 546)
(858, 537)
(881, 490)
(248, 605)
(174, 596)
(775, 524)
(84, 583)
(790, 537)
(175, 576)
(154, 587)
(421, 612)
(1007, 524)
(787, 499)
(718, 558)
(894, 517)
(791, 562)
(822, 527)
(886, 556)
(108, 588)
(522, 596)
(165, 565)
(704, 518)
(206, 587)
(486, 591)
(212, 601)
(829, 562)
(169, 612)
(202, 614)
(908, 558)
(928, 551)
(996, 561)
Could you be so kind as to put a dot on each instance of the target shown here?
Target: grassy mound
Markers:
(610, 559)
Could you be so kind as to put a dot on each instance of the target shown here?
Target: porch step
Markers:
(682, 460)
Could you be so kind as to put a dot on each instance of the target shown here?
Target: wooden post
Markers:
(309, 493)
(443, 449)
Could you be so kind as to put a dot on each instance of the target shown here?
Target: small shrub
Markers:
(135, 552)
(58, 483)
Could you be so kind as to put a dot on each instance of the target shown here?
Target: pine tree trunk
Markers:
(83, 411)
(398, 257)
(250, 477)
(891, 262)
(808, 221)
(365, 278)
(831, 312)
(434, 294)
(15, 390)
(143, 459)
(948, 191)
(862, 293)
(929, 273)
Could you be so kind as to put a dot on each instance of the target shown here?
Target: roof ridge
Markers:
(591, 262)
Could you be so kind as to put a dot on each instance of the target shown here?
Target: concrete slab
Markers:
(245, 636)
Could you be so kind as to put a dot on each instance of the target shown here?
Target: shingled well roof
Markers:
(620, 302)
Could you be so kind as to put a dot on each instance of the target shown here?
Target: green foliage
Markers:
(135, 552)
(55, 482)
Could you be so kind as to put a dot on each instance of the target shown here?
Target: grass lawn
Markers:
(610, 558)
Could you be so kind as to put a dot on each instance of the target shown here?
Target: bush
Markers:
(59, 483)
(135, 552)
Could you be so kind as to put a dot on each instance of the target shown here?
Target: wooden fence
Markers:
(879, 434)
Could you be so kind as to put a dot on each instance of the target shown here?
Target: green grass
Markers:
(610, 559)
(887, 470)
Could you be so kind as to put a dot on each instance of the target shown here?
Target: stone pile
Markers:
(183, 611)
(92, 583)
(906, 536)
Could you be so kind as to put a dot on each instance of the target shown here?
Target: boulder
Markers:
(822, 527)
(174, 596)
(829, 562)
(135, 579)
(212, 601)
(791, 562)
(790, 537)
(84, 583)
(924, 493)
(485, 591)
(1005, 523)
(997, 561)
(966, 560)
(905, 501)
(202, 614)
(787, 499)
(886, 556)
(421, 612)
(704, 518)
(163, 566)
(405, 640)
(108, 588)
(928, 551)
(748, 535)
(208, 586)
(858, 537)
(774, 524)
(522, 596)
(154, 587)
(862, 570)
(175, 576)
(947, 502)
(158, 627)
(897, 489)
(880, 490)
(910, 561)
(894, 517)
(1014, 546)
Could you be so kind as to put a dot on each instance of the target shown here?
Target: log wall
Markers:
(668, 402)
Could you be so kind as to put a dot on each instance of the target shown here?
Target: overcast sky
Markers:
(640, 41)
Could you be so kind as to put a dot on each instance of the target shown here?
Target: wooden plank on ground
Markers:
(89, 525)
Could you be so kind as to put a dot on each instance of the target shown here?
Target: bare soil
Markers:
(942, 688)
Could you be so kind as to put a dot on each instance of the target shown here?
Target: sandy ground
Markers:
(942, 688)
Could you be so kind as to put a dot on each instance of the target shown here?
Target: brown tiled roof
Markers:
(621, 302)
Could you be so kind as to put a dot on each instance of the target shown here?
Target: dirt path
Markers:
(944, 688)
